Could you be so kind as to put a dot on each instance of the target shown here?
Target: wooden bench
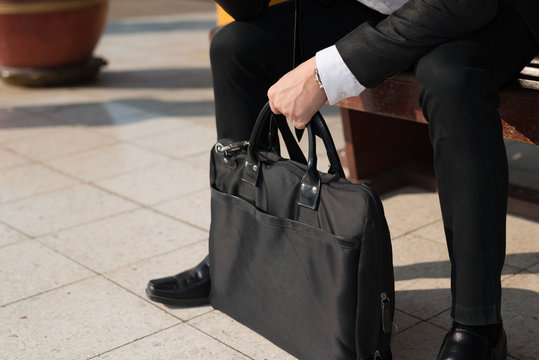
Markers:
(389, 153)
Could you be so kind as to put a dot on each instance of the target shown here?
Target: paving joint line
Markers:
(219, 340)
(135, 340)
(96, 274)
(141, 297)
(205, 240)
(46, 291)
(80, 182)
(15, 229)
(409, 232)
(123, 212)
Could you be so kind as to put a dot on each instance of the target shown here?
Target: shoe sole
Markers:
(178, 302)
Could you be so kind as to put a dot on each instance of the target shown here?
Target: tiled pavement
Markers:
(104, 186)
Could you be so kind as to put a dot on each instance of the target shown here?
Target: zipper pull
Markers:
(377, 355)
(229, 152)
(232, 148)
(386, 313)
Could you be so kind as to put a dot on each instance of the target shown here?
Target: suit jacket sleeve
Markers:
(374, 52)
(243, 10)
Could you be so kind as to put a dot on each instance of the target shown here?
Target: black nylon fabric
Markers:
(308, 280)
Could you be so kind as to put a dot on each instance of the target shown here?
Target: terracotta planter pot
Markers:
(49, 33)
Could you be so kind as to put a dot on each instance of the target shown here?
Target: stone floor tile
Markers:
(158, 183)
(195, 107)
(165, 53)
(9, 236)
(179, 342)
(9, 113)
(403, 321)
(523, 157)
(24, 124)
(420, 342)
(21, 182)
(520, 312)
(54, 211)
(181, 143)
(57, 141)
(107, 161)
(168, 100)
(141, 124)
(398, 208)
(200, 160)
(8, 159)
(522, 250)
(236, 335)
(527, 179)
(434, 232)
(77, 322)
(126, 10)
(509, 271)
(29, 268)
(534, 269)
(396, 233)
(123, 239)
(167, 113)
(422, 272)
(93, 113)
(30, 99)
(135, 277)
(522, 242)
(193, 208)
(442, 320)
(417, 258)
(424, 298)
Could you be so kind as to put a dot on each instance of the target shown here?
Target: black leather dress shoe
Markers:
(188, 288)
(463, 344)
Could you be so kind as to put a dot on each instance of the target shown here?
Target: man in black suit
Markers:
(462, 52)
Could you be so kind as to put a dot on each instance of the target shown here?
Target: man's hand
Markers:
(297, 95)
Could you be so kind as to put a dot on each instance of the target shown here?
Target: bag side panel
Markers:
(375, 276)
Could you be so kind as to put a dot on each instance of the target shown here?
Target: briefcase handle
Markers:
(309, 192)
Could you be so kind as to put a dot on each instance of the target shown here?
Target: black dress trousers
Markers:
(459, 82)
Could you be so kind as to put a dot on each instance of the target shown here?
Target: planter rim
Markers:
(37, 7)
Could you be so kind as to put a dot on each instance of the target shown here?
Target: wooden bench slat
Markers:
(397, 98)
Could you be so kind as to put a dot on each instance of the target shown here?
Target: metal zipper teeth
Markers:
(381, 274)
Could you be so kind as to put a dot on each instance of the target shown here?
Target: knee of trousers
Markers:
(231, 47)
(457, 100)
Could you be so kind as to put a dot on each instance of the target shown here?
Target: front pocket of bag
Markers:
(293, 283)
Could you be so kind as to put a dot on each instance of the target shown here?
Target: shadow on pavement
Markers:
(441, 269)
(179, 78)
(117, 112)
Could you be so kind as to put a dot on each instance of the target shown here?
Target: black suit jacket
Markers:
(374, 52)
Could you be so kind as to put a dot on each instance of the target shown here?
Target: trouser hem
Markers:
(484, 315)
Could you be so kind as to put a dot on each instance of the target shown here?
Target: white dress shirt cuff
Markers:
(339, 82)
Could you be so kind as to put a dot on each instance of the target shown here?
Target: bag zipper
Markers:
(385, 314)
